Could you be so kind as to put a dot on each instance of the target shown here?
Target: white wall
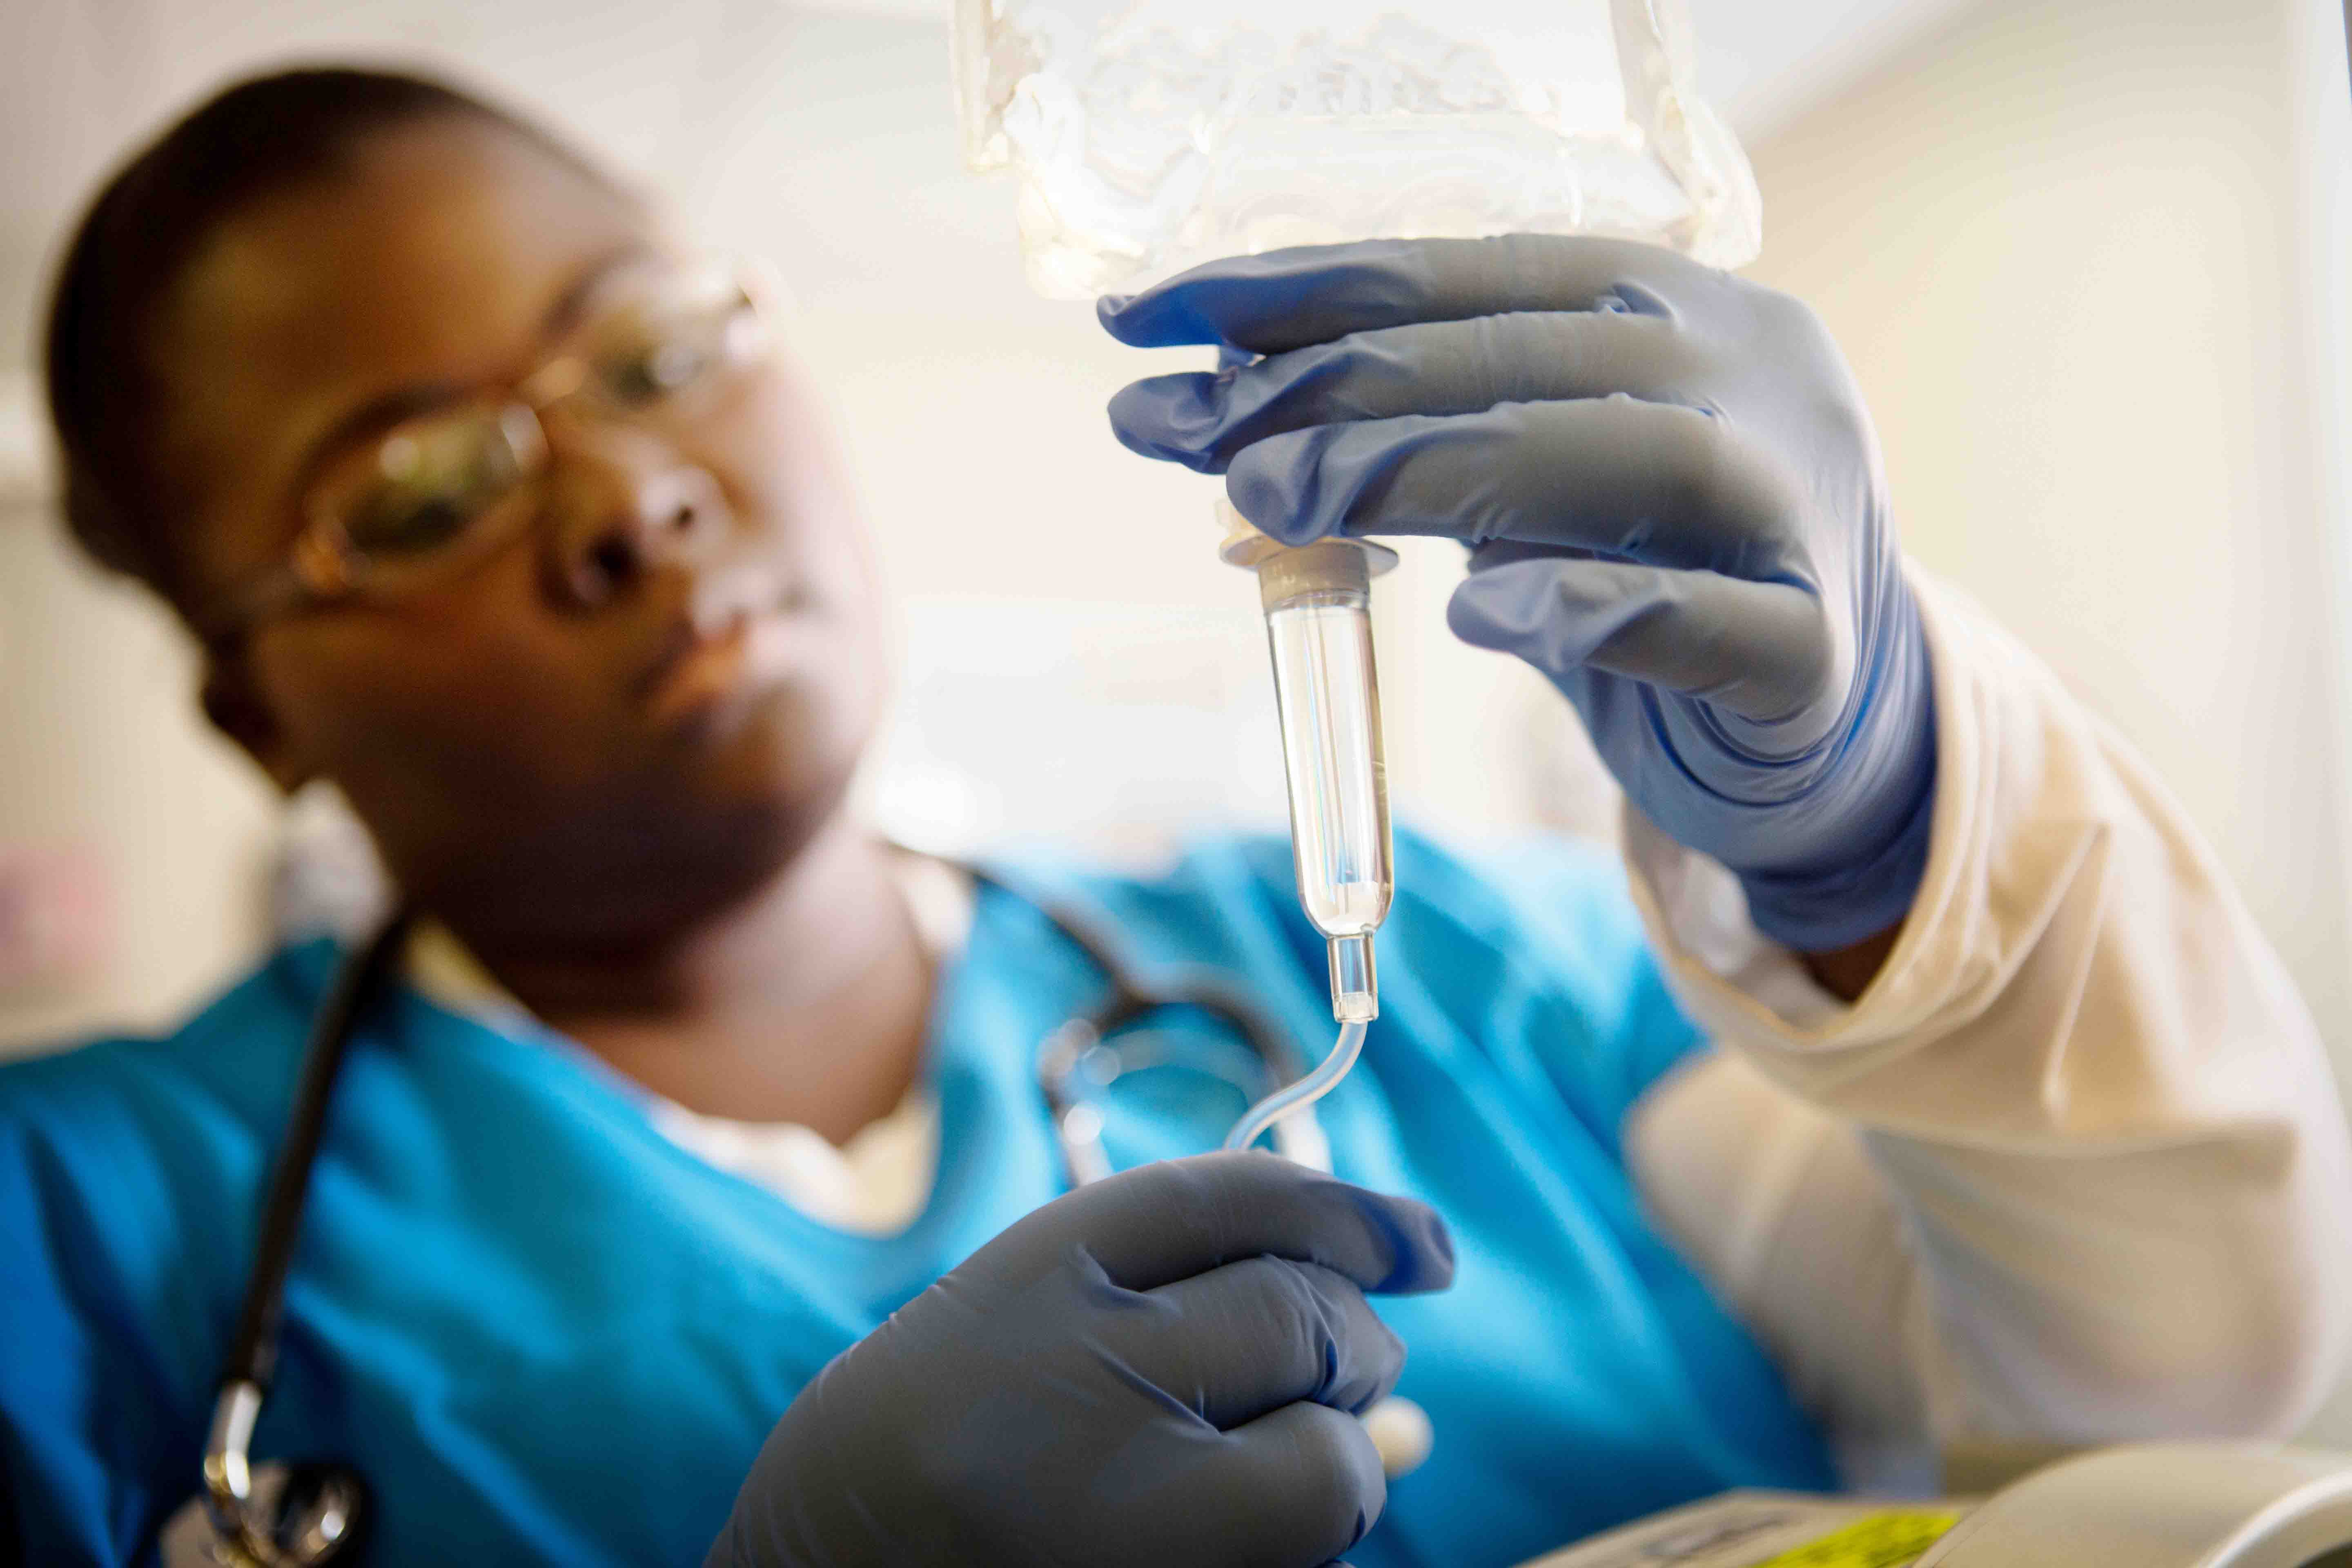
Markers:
(2061, 243)
(2075, 249)
(102, 757)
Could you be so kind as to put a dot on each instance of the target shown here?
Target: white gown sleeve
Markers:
(2072, 1170)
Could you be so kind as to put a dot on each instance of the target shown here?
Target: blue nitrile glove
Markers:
(1675, 505)
(1161, 1368)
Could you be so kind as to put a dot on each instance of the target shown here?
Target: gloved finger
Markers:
(1256, 1335)
(1297, 1486)
(1762, 650)
(1647, 481)
(1285, 300)
(1200, 420)
(1160, 1223)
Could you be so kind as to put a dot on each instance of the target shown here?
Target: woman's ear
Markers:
(237, 710)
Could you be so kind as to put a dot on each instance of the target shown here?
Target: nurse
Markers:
(1917, 1082)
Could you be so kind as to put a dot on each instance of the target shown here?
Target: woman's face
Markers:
(638, 709)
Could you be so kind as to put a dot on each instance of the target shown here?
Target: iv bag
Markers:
(1151, 135)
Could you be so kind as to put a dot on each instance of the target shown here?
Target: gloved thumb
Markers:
(1759, 650)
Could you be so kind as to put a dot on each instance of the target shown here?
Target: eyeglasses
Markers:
(418, 503)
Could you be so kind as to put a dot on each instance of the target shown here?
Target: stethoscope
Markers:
(1079, 1060)
(279, 1515)
(295, 1515)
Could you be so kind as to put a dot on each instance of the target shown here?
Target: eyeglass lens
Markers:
(421, 492)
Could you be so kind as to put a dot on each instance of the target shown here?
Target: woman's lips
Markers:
(740, 655)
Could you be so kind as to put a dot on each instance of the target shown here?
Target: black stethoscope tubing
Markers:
(253, 1353)
(229, 1482)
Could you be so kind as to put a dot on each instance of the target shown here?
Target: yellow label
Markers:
(1881, 1541)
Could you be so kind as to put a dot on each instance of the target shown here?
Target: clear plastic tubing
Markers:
(1305, 1091)
(1318, 606)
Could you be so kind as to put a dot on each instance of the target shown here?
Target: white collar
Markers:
(875, 1184)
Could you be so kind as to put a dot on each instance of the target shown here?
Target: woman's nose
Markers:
(624, 505)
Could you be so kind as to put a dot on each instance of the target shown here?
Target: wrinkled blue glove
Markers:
(1161, 1368)
(1674, 502)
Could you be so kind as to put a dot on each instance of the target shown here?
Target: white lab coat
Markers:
(2072, 1170)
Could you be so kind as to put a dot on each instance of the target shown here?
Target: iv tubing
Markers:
(1304, 1092)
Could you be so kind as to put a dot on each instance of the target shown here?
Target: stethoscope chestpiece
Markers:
(319, 1507)
(262, 1516)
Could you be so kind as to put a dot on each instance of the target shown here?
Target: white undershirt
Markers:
(875, 1184)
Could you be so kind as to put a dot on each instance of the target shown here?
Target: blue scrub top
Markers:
(545, 1333)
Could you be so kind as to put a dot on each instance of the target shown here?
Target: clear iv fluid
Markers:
(1328, 694)
(1318, 602)
(1150, 135)
(1324, 683)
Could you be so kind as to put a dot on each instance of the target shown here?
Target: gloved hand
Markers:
(1674, 501)
(1162, 1368)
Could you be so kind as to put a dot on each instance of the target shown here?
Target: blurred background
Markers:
(2091, 259)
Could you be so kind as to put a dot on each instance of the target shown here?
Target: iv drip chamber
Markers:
(1318, 602)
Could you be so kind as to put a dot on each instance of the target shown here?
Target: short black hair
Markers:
(138, 238)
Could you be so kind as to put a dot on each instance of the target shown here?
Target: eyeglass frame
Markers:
(323, 566)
